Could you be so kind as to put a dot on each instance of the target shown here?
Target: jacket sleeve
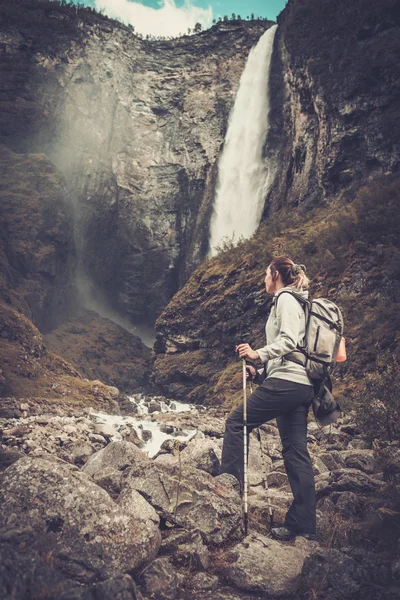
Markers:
(288, 318)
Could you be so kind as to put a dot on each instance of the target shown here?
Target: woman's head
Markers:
(284, 272)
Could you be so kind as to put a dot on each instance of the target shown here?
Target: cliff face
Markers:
(36, 264)
(36, 237)
(334, 204)
(136, 128)
(338, 125)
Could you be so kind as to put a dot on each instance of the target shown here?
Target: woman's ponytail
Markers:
(292, 274)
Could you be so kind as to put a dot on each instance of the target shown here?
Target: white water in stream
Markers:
(146, 421)
(244, 177)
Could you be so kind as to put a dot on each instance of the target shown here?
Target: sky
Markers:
(174, 17)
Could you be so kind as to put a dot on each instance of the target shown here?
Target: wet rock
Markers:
(154, 406)
(166, 428)
(74, 519)
(260, 564)
(332, 573)
(159, 580)
(146, 435)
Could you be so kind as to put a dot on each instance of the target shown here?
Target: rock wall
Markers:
(336, 119)
(136, 127)
(36, 225)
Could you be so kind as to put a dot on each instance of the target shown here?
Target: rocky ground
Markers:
(87, 514)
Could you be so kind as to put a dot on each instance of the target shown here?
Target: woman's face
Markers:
(269, 283)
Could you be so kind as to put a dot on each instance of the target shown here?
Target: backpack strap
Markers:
(298, 356)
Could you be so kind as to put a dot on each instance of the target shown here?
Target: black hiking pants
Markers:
(288, 402)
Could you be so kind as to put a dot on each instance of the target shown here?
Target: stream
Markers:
(145, 424)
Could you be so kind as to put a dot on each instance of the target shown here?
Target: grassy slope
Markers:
(352, 253)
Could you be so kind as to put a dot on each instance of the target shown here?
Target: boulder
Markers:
(348, 504)
(133, 503)
(159, 580)
(260, 564)
(346, 480)
(333, 574)
(333, 460)
(186, 549)
(107, 465)
(73, 520)
(203, 454)
(191, 498)
(364, 460)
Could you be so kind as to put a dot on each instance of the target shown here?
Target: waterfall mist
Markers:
(244, 176)
(92, 299)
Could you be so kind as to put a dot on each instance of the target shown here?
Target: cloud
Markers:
(168, 20)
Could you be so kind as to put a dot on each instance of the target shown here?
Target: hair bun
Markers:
(297, 269)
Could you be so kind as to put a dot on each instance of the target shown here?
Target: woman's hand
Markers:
(251, 373)
(245, 351)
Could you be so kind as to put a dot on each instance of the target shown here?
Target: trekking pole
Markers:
(266, 486)
(264, 470)
(245, 508)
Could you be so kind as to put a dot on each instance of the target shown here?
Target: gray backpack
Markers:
(324, 331)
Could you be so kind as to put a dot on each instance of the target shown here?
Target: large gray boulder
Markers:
(74, 521)
(334, 574)
(191, 498)
(347, 480)
(260, 564)
(364, 460)
(106, 467)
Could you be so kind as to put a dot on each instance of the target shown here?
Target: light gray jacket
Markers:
(285, 329)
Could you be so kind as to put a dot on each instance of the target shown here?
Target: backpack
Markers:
(324, 331)
(323, 334)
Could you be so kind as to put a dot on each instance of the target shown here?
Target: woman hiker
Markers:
(285, 394)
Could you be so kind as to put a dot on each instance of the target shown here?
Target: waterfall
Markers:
(243, 175)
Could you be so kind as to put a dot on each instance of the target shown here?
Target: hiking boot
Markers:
(284, 534)
(308, 536)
